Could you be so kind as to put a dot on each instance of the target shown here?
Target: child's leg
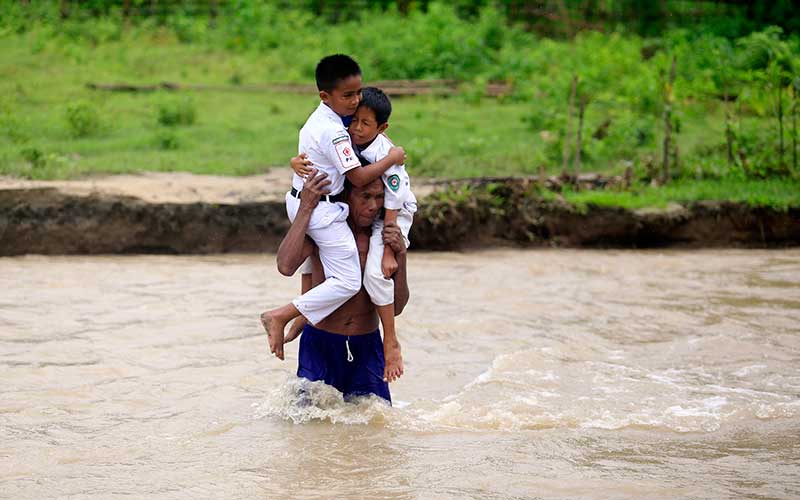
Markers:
(381, 291)
(274, 322)
(339, 256)
(296, 328)
(391, 346)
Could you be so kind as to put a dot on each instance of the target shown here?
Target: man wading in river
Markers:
(344, 350)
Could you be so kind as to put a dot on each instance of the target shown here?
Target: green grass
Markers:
(241, 133)
(235, 133)
(774, 193)
(238, 133)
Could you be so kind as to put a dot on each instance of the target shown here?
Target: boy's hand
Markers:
(397, 154)
(301, 165)
(388, 265)
(393, 237)
(315, 186)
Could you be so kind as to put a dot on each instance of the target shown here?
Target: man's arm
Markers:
(394, 238)
(362, 176)
(296, 246)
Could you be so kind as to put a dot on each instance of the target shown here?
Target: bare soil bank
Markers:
(151, 214)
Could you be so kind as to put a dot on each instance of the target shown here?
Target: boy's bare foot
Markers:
(274, 327)
(394, 361)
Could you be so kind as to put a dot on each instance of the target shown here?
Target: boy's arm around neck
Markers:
(360, 177)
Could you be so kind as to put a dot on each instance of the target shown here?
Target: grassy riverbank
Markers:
(53, 127)
(779, 194)
(231, 132)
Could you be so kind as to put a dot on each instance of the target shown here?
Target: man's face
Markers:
(345, 97)
(365, 203)
(364, 127)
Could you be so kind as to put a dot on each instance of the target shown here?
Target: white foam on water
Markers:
(300, 401)
(544, 388)
(749, 370)
(536, 389)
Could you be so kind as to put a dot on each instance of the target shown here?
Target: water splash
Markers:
(301, 401)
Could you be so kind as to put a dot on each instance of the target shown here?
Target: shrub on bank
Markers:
(82, 118)
(176, 111)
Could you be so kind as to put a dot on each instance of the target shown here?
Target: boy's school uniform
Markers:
(326, 142)
(396, 183)
(397, 196)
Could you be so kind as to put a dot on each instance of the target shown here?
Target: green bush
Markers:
(177, 111)
(35, 156)
(167, 140)
(82, 118)
(42, 165)
(12, 125)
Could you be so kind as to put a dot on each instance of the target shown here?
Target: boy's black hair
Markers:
(333, 69)
(373, 98)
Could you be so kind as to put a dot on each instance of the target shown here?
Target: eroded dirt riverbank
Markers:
(183, 213)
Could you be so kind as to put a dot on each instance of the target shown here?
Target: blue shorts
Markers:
(352, 364)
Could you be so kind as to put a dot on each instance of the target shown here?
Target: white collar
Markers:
(329, 111)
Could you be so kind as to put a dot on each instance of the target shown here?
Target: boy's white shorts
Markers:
(337, 251)
(380, 289)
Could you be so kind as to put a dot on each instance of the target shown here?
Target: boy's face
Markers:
(364, 127)
(345, 97)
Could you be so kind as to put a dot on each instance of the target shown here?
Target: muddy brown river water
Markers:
(529, 374)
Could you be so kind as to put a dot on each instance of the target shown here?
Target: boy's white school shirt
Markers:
(326, 142)
(396, 183)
